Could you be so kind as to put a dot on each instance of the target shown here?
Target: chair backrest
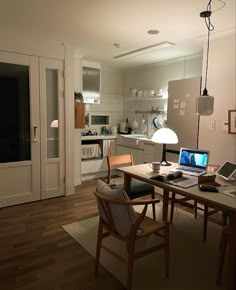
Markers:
(105, 212)
(116, 212)
(118, 160)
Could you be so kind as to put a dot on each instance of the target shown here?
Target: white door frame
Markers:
(20, 181)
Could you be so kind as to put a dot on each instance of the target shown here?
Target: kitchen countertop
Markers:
(98, 137)
(138, 137)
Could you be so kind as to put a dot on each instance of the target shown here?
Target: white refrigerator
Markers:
(181, 114)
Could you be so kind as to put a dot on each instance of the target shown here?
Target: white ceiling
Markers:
(93, 26)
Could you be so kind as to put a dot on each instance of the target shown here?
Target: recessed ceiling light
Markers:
(153, 31)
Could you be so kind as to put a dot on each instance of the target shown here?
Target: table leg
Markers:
(165, 204)
(232, 252)
(127, 181)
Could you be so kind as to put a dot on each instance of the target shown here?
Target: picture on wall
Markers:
(232, 121)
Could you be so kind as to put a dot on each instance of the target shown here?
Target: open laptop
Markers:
(192, 162)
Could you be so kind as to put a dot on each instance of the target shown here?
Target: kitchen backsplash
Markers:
(143, 112)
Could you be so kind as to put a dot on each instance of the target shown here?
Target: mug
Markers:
(155, 166)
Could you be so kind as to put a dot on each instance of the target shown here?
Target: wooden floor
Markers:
(36, 253)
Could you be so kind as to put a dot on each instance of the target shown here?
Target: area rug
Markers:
(193, 263)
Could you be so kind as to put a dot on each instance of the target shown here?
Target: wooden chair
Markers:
(206, 210)
(222, 250)
(206, 213)
(137, 188)
(107, 227)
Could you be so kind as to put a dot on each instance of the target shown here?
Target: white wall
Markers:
(30, 44)
(156, 77)
(221, 85)
(112, 84)
(111, 102)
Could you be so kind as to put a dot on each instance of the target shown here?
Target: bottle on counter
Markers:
(126, 125)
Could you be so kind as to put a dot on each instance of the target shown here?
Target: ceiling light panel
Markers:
(144, 50)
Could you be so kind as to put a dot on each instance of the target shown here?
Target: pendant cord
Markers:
(210, 28)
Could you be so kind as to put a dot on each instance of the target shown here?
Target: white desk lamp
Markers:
(165, 136)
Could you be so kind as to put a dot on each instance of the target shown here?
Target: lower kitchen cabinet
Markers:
(138, 154)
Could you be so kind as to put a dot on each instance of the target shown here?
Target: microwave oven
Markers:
(99, 119)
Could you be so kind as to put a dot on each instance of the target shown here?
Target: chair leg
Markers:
(205, 216)
(195, 209)
(172, 207)
(224, 218)
(99, 244)
(167, 250)
(223, 246)
(130, 248)
(153, 206)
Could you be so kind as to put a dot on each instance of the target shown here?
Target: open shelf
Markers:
(159, 97)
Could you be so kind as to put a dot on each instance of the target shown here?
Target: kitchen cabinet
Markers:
(152, 152)
(137, 153)
(126, 145)
(79, 115)
(91, 82)
(93, 166)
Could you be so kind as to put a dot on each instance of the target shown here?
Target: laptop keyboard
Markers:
(190, 171)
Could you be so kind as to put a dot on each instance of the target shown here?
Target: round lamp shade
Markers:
(165, 136)
(54, 124)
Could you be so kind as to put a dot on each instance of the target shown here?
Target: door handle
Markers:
(35, 134)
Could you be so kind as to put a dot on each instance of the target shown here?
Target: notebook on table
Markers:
(192, 162)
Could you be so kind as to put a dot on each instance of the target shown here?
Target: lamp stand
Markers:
(164, 162)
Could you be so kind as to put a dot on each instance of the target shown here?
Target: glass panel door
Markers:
(14, 113)
(52, 127)
(19, 129)
(52, 112)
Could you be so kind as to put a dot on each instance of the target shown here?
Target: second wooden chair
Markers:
(137, 188)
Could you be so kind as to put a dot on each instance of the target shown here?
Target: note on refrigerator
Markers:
(182, 105)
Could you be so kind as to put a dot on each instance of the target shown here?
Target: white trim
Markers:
(69, 120)
(16, 164)
(89, 63)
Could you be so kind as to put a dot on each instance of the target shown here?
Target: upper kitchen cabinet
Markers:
(91, 82)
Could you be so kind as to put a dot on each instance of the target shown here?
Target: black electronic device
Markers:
(207, 187)
(227, 171)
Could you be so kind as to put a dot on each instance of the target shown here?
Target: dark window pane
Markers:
(14, 113)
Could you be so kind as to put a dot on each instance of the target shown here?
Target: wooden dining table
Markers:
(219, 200)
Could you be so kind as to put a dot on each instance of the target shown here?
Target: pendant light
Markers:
(205, 103)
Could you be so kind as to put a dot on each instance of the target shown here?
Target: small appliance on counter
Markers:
(89, 133)
(124, 127)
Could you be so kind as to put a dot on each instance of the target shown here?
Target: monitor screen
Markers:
(194, 158)
(227, 169)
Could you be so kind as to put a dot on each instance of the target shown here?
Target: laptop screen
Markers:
(194, 158)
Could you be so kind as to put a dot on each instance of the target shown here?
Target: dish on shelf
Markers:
(133, 92)
(143, 127)
(139, 94)
(157, 122)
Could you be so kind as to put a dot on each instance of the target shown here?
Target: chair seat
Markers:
(137, 188)
(150, 226)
